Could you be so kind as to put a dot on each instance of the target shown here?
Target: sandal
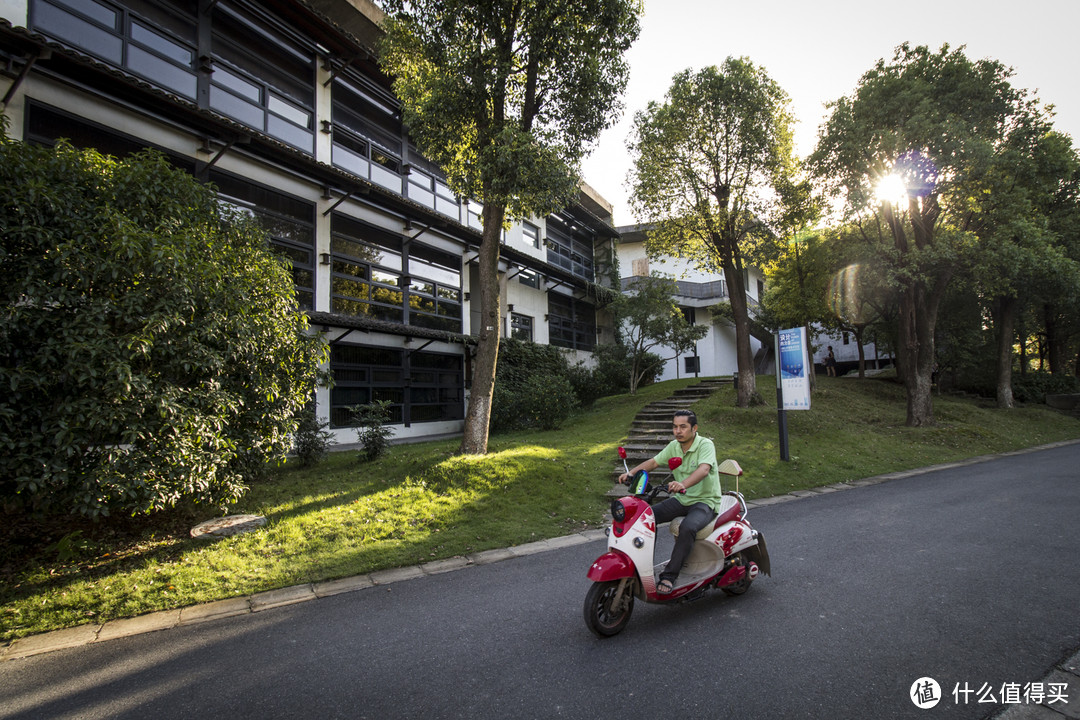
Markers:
(664, 587)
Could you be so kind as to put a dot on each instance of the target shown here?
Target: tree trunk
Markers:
(1055, 340)
(746, 392)
(1004, 315)
(915, 355)
(811, 372)
(475, 437)
(858, 333)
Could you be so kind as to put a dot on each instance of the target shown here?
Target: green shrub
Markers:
(372, 431)
(151, 347)
(312, 440)
(1033, 387)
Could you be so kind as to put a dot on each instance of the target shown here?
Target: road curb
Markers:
(166, 619)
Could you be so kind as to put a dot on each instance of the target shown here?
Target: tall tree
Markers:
(507, 96)
(937, 120)
(1019, 257)
(710, 164)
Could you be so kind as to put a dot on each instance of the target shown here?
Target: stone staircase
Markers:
(650, 430)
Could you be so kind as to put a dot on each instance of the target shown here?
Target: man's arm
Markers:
(699, 474)
(648, 465)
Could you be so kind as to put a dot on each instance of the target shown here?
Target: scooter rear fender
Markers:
(612, 565)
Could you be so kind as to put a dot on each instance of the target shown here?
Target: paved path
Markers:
(965, 573)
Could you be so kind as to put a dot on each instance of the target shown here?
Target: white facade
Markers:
(698, 291)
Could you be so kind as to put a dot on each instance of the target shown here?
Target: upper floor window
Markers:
(367, 133)
(153, 40)
(262, 78)
(287, 221)
(530, 234)
(569, 251)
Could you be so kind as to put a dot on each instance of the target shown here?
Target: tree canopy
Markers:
(938, 122)
(151, 348)
(713, 167)
(507, 97)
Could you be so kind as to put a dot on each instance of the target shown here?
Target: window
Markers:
(521, 327)
(152, 40)
(689, 314)
(420, 386)
(531, 234)
(530, 278)
(262, 78)
(364, 375)
(288, 222)
(571, 252)
(367, 134)
(571, 323)
(434, 288)
(365, 272)
(368, 277)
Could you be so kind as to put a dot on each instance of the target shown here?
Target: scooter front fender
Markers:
(612, 565)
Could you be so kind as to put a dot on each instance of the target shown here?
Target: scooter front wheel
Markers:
(606, 610)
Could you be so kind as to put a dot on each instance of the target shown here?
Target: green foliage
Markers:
(1033, 387)
(506, 95)
(532, 387)
(312, 439)
(151, 348)
(372, 429)
(713, 172)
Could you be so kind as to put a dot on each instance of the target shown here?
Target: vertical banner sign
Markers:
(794, 374)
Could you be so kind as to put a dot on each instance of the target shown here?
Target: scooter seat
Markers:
(729, 509)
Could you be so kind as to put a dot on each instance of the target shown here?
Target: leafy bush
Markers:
(151, 348)
(1035, 386)
(312, 439)
(372, 431)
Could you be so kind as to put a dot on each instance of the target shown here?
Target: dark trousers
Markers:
(696, 517)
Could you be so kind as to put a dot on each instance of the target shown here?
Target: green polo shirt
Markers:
(701, 450)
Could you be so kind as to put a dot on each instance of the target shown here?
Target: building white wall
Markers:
(717, 350)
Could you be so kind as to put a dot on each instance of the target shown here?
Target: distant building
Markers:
(281, 104)
(715, 354)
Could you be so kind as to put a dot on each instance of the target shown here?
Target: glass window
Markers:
(571, 322)
(521, 327)
(531, 234)
(153, 41)
(288, 221)
(434, 389)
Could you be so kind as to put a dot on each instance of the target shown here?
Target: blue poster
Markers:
(794, 374)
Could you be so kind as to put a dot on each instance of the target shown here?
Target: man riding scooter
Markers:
(695, 490)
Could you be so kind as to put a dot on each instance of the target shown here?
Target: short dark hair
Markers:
(686, 414)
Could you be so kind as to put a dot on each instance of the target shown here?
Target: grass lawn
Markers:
(422, 503)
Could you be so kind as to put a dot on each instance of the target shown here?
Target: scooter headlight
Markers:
(618, 510)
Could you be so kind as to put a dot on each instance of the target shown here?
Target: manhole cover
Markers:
(229, 525)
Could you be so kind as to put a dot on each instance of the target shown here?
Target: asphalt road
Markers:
(969, 576)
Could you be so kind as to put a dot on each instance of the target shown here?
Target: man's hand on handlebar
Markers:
(676, 487)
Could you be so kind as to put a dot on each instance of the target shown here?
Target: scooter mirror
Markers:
(674, 463)
(622, 453)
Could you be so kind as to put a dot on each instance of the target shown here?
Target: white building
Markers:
(697, 292)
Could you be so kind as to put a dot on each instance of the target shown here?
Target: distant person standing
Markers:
(830, 363)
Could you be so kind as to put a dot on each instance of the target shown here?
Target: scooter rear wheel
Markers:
(602, 617)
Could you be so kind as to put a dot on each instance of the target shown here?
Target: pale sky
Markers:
(818, 49)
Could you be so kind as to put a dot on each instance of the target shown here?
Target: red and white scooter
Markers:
(728, 554)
